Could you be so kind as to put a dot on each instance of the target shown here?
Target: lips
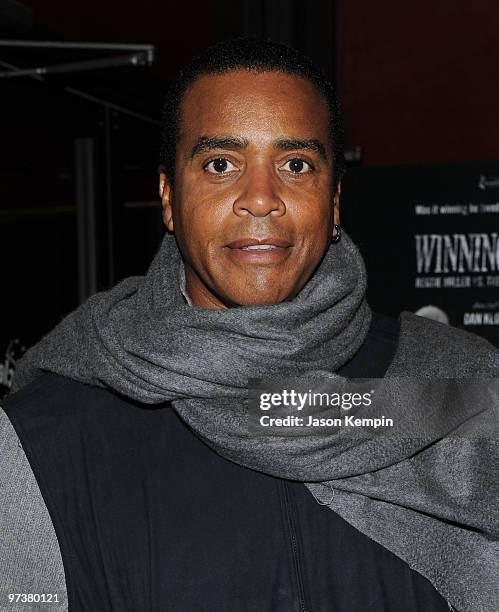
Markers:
(260, 247)
(268, 251)
(259, 244)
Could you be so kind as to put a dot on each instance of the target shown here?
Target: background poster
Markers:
(430, 237)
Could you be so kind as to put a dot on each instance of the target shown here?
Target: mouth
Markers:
(264, 250)
(269, 242)
(259, 247)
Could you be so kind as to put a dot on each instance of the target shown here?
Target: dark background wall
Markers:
(417, 81)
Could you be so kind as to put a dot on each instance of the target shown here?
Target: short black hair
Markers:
(254, 54)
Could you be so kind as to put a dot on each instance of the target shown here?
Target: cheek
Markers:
(201, 208)
(190, 212)
(199, 229)
(312, 216)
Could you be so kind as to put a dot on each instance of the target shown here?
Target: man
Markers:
(128, 445)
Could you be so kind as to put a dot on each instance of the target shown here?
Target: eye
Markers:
(219, 166)
(297, 166)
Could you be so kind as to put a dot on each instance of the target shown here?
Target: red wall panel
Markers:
(419, 81)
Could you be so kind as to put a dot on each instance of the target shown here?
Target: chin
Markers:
(265, 295)
(256, 299)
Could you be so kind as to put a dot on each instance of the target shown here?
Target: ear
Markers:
(336, 205)
(166, 195)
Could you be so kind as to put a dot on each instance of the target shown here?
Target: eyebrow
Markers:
(292, 144)
(236, 143)
(208, 143)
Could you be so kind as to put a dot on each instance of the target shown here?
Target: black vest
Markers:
(149, 518)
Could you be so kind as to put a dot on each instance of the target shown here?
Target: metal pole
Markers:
(86, 217)
(49, 44)
(109, 196)
(91, 98)
(136, 59)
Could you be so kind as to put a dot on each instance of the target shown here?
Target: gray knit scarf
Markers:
(429, 499)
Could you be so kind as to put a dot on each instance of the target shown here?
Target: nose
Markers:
(259, 196)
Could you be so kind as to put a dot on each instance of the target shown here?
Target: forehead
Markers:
(256, 105)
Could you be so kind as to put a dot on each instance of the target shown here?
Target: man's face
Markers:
(253, 202)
